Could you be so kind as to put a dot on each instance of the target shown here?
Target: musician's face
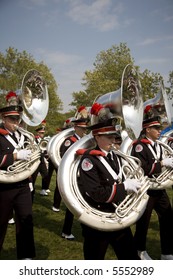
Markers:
(153, 132)
(105, 141)
(80, 131)
(10, 122)
(41, 134)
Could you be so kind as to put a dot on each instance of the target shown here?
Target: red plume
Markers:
(96, 108)
(81, 108)
(147, 109)
(10, 94)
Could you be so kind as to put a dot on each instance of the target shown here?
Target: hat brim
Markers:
(81, 125)
(11, 111)
(40, 130)
(105, 130)
(152, 124)
(81, 122)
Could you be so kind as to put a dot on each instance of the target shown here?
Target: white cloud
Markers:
(168, 18)
(100, 14)
(58, 57)
(68, 71)
(153, 40)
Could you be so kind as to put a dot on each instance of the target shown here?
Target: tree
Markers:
(106, 76)
(13, 66)
(150, 84)
(170, 80)
(107, 73)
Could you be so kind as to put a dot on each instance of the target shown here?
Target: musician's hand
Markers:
(23, 154)
(168, 162)
(132, 185)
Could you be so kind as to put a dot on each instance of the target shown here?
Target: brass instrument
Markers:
(22, 169)
(34, 98)
(34, 101)
(44, 143)
(131, 168)
(165, 179)
(56, 141)
(53, 148)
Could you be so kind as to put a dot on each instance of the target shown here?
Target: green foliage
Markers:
(150, 84)
(171, 79)
(107, 74)
(105, 77)
(13, 66)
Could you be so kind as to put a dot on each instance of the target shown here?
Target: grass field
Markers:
(48, 227)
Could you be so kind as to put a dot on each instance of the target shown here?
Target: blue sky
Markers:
(68, 34)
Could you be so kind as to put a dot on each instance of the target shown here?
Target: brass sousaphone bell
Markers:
(34, 98)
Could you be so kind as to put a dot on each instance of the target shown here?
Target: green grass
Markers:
(48, 227)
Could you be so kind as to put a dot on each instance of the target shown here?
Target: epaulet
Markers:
(145, 141)
(97, 153)
(90, 152)
(73, 139)
(3, 131)
(81, 152)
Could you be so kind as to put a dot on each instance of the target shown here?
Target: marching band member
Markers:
(17, 195)
(152, 160)
(101, 184)
(57, 196)
(80, 127)
(170, 141)
(42, 169)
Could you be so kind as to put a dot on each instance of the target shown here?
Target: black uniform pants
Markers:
(42, 168)
(96, 243)
(159, 202)
(19, 200)
(68, 222)
(57, 196)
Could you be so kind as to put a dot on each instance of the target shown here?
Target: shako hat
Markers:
(82, 117)
(151, 117)
(12, 108)
(41, 128)
(154, 121)
(103, 120)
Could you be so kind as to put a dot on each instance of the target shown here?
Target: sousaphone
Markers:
(162, 103)
(34, 100)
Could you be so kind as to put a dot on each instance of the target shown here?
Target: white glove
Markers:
(23, 154)
(132, 185)
(168, 162)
